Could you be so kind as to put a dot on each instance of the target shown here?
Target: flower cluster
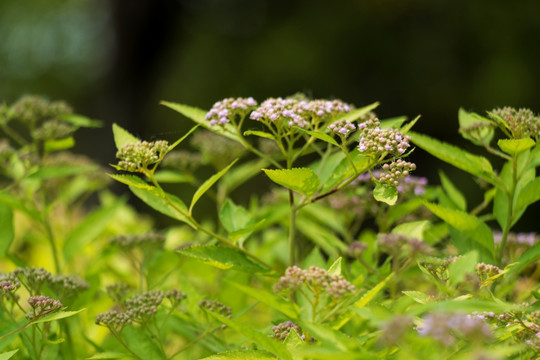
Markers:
(281, 331)
(528, 328)
(114, 320)
(298, 113)
(224, 111)
(175, 296)
(149, 239)
(217, 307)
(400, 244)
(355, 249)
(518, 239)
(486, 271)
(317, 279)
(396, 170)
(375, 140)
(7, 286)
(142, 307)
(42, 305)
(67, 285)
(30, 109)
(53, 129)
(522, 123)
(342, 127)
(64, 286)
(136, 157)
(446, 327)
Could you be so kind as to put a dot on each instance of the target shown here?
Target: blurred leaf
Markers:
(242, 173)
(81, 121)
(141, 343)
(57, 316)
(234, 217)
(302, 180)
(320, 236)
(473, 164)
(57, 145)
(356, 114)
(163, 202)
(288, 308)
(530, 255)
(485, 127)
(87, 230)
(417, 296)
(131, 180)
(8, 354)
(335, 268)
(345, 170)
(261, 339)
(177, 142)
(208, 184)
(413, 229)
(293, 342)
(329, 336)
(51, 172)
(392, 123)
(122, 136)
(7, 232)
(241, 354)
(534, 160)
(173, 177)
(17, 204)
(528, 195)
(319, 135)
(108, 355)
(223, 258)
(515, 146)
(463, 265)
(385, 193)
(453, 192)
(260, 134)
(466, 306)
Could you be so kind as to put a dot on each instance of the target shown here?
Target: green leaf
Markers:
(319, 135)
(357, 113)
(345, 170)
(172, 177)
(515, 146)
(224, 258)
(335, 268)
(530, 255)
(407, 127)
(534, 160)
(198, 116)
(57, 145)
(177, 142)
(475, 229)
(485, 131)
(163, 202)
(208, 184)
(385, 193)
(17, 204)
(392, 123)
(51, 172)
(234, 217)
(57, 316)
(92, 225)
(293, 341)
(241, 355)
(7, 232)
(459, 305)
(8, 354)
(122, 136)
(288, 308)
(464, 265)
(529, 194)
(81, 121)
(418, 296)
(260, 134)
(131, 180)
(108, 355)
(242, 173)
(413, 229)
(261, 339)
(453, 192)
(141, 343)
(473, 164)
(301, 180)
(321, 236)
(329, 336)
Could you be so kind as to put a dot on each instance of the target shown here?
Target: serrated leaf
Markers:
(335, 268)
(108, 355)
(293, 341)
(51, 172)
(418, 296)
(122, 136)
(241, 355)
(515, 146)
(131, 180)
(453, 192)
(464, 265)
(319, 135)
(208, 184)
(485, 131)
(7, 231)
(385, 193)
(57, 316)
(473, 164)
(345, 170)
(223, 258)
(474, 228)
(162, 202)
(8, 354)
(261, 134)
(289, 309)
(301, 180)
(92, 225)
(408, 126)
(261, 339)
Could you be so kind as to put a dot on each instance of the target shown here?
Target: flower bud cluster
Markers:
(224, 111)
(396, 170)
(317, 279)
(375, 140)
(142, 307)
(445, 328)
(30, 109)
(67, 285)
(342, 127)
(149, 239)
(397, 244)
(175, 296)
(114, 320)
(42, 305)
(136, 157)
(216, 306)
(301, 113)
(34, 278)
(522, 123)
(529, 330)
(281, 331)
(53, 129)
(355, 249)
(486, 271)
(7, 286)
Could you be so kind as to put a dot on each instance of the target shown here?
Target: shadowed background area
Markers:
(115, 60)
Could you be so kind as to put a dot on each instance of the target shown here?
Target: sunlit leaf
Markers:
(515, 146)
(385, 193)
(289, 309)
(57, 316)
(302, 180)
(208, 184)
(223, 258)
(122, 136)
(7, 232)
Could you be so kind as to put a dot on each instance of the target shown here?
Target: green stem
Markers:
(292, 230)
(194, 341)
(510, 215)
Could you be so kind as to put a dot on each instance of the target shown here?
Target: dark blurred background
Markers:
(115, 60)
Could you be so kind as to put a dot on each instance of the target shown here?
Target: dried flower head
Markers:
(281, 331)
(53, 129)
(33, 278)
(522, 123)
(67, 286)
(114, 320)
(142, 307)
(137, 157)
(217, 307)
(226, 110)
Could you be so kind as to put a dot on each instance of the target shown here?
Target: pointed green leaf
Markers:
(474, 228)
(329, 336)
(453, 192)
(417, 296)
(234, 217)
(528, 195)
(335, 268)
(108, 355)
(473, 164)
(51, 172)
(413, 229)
(515, 146)
(344, 170)
(319, 135)
(173, 177)
(464, 265)
(141, 343)
(162, 202)
(131, 180)
(8, 354)
(288, 308)
(57, 145)
(177, 142)
(293, 341)
(223, 258)
(122, 136)
(57, 316)
(392, 123)
(7, 232)
(208, 184)
(92, 225)
(81, 121)
(408, 126)
(260, 134)
(301, 180)
(261, 339)
(385, 193)
(485, 128)
(534, 160)
(241, 355)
